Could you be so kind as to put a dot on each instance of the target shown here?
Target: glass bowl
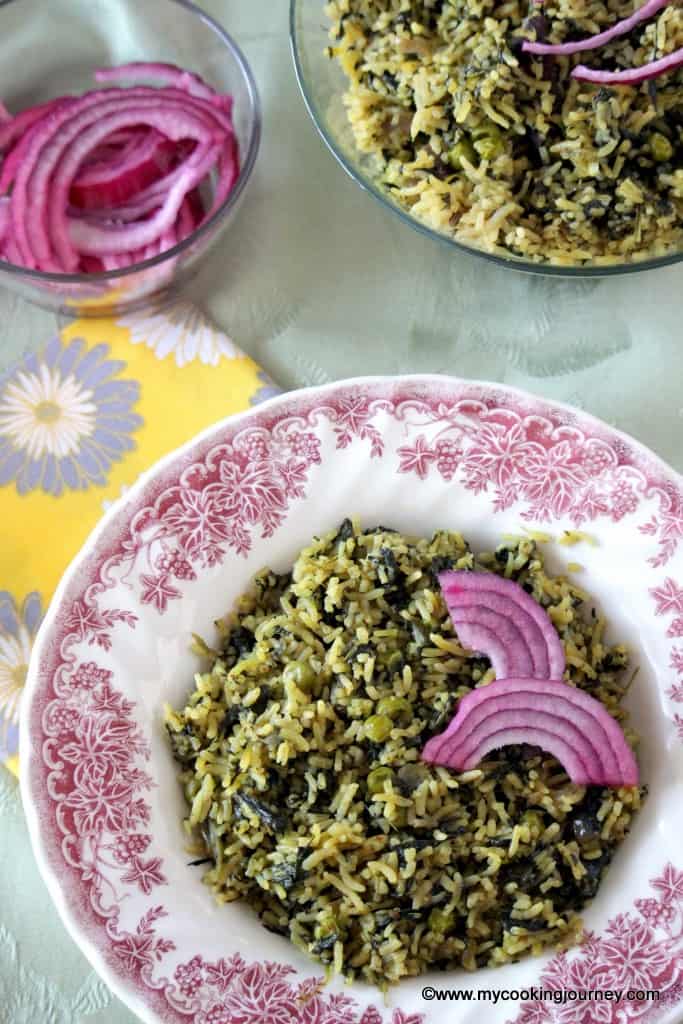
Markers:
(69, 39)
(323, 83)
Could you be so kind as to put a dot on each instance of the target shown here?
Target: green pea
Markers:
(301, 674)
(378, 727)
(394, 707)
(660, 147)
(377, 779)
(462, 150)
(439, 921)
(488, 140)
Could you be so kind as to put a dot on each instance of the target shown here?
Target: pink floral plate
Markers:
(418, 453)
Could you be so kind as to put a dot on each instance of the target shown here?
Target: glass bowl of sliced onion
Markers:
(129, 130)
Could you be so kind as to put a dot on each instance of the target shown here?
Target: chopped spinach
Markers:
(271, 819)
(345, 531)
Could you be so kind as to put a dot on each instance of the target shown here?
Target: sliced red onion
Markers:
(630, 76)
(168, 240)
(505, 611)
(562, 720)
(228, 171)
(113, 148)
(513, 709)
(124, 260)
(549, 741)
(178, 119)
(169, 74)
(196, 206)
(102, 156)
(5, 116)
(140, 206)
(113, 181)
(4, 218)
(143, 204)
(15, 128)
(56, 154)
(99, 240)
(482, 633)
(620, 28)
(91, 265)
(186, 221)
(18, 147)
(190, 216)
(525, 646)
(10, 251)
(120, 139)
(132, 158)
(578, 700)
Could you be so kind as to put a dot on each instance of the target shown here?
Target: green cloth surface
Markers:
(317, 282)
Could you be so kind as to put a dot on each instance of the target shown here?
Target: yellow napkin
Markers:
(79, 421)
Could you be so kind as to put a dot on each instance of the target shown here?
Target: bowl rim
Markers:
(226, 206)
(510, 262)
(119, 984)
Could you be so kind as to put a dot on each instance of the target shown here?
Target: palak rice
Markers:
(505, 151)
(300, 752)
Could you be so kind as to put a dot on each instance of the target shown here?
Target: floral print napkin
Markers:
(80, 419)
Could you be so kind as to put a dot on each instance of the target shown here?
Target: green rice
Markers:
(300, 752)
(504, 151)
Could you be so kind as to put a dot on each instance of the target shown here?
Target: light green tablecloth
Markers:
(317, 282)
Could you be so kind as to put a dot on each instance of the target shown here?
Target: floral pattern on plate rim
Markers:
(493, 436)
(641, 953)
(553, 470)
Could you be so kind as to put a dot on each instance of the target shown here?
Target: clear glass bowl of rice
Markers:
(320, 35)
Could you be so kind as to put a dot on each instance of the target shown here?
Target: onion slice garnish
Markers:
(561, 720)
(630, 76)
(620, 28)
(497, 618)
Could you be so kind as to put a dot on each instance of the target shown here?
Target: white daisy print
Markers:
(66, 417)
(45, 414)
(182, 330)
(15, 652)
(18, 628)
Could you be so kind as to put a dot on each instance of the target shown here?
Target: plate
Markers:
(417, 453)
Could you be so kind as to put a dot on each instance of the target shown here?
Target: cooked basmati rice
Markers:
(300, 752)
(504, 151)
